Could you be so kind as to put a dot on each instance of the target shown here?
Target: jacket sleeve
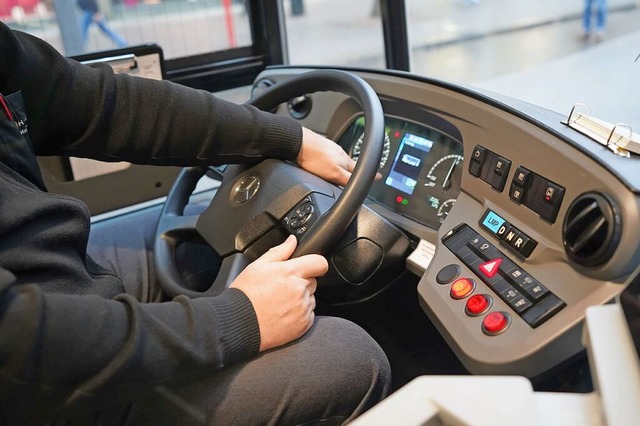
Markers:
(106, 343)
(90, 112)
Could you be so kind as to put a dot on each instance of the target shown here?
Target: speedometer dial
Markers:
(442, 171)
(386, 149)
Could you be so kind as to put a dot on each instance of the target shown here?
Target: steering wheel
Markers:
(256, 206)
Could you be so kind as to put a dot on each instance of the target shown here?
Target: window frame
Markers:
(228, 69)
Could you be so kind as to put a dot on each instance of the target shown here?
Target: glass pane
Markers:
(537, 51)
(180, 27)
(335, 32)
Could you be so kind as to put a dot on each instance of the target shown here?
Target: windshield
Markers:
(547, 52)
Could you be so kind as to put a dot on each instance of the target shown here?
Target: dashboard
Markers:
(421, 169)
(529, 221)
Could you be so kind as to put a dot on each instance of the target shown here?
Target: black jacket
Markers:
(67, 331)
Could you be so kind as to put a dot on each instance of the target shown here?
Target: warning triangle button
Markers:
(491, 267)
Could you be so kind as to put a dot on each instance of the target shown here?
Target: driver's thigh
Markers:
(331, 375)
(124, 245)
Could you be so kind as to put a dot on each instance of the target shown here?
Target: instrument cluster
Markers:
(421, 169)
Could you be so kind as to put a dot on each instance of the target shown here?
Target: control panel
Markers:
(528, 188)
(526, 296)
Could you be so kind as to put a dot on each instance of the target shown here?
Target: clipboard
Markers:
(619, 138)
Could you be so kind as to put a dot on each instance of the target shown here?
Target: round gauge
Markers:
(441, 174)
(445, 208)
(386, 149)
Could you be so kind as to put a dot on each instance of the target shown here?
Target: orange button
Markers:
(477, 304)
(462, 287)
(496, 323)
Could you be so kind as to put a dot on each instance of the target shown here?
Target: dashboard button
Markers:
(516, 273)
(478, 154)
(519, 242)
(496, 323)
(551, 193)
(475, 168)
(500, 171)
(516, 192)
(491, 267)
(521, 177)
(448, 274)
(520, 304)
(477, 304)
(533, 288)
(502, 231)
(502, 166)
(477, 242)
(546, 200)
(511, 235)
(524, 245)
(462, 287)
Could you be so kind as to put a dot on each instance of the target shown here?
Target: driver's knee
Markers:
(349, 372)
(331, 375)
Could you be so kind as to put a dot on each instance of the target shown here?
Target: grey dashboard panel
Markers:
(532, 139)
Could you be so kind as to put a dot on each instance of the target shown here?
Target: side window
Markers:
(181, 27)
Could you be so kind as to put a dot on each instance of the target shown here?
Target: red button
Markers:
(496, 323)
(462, 287)
(491, 267)
(477, 304)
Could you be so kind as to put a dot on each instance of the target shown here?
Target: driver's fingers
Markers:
(342, 177)
(312, 285)
(312, 303)
(280, 252)
(350, 164)
(309, 266)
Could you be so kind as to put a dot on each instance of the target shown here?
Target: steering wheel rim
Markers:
(329, 227)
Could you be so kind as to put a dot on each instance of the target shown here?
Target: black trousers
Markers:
(334, 373)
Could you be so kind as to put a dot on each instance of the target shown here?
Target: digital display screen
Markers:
(492, 221)
(408, 162)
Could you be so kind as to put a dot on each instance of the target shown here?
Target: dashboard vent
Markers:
(592, 229)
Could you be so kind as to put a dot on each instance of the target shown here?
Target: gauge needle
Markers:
(446, 184)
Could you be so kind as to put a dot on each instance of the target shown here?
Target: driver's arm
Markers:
(88, 112)
(59, 348)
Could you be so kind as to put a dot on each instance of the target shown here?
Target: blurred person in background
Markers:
(91, 14)
(600, 9)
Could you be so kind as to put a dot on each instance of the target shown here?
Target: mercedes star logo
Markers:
(247, 189)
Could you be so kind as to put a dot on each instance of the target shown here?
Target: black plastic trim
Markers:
(396, 35)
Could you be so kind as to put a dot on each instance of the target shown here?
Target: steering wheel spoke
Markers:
(183, 227)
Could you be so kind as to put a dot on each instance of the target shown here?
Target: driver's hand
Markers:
(281, 292)
(324, 158)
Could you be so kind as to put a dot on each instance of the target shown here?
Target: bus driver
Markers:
(84, 343)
